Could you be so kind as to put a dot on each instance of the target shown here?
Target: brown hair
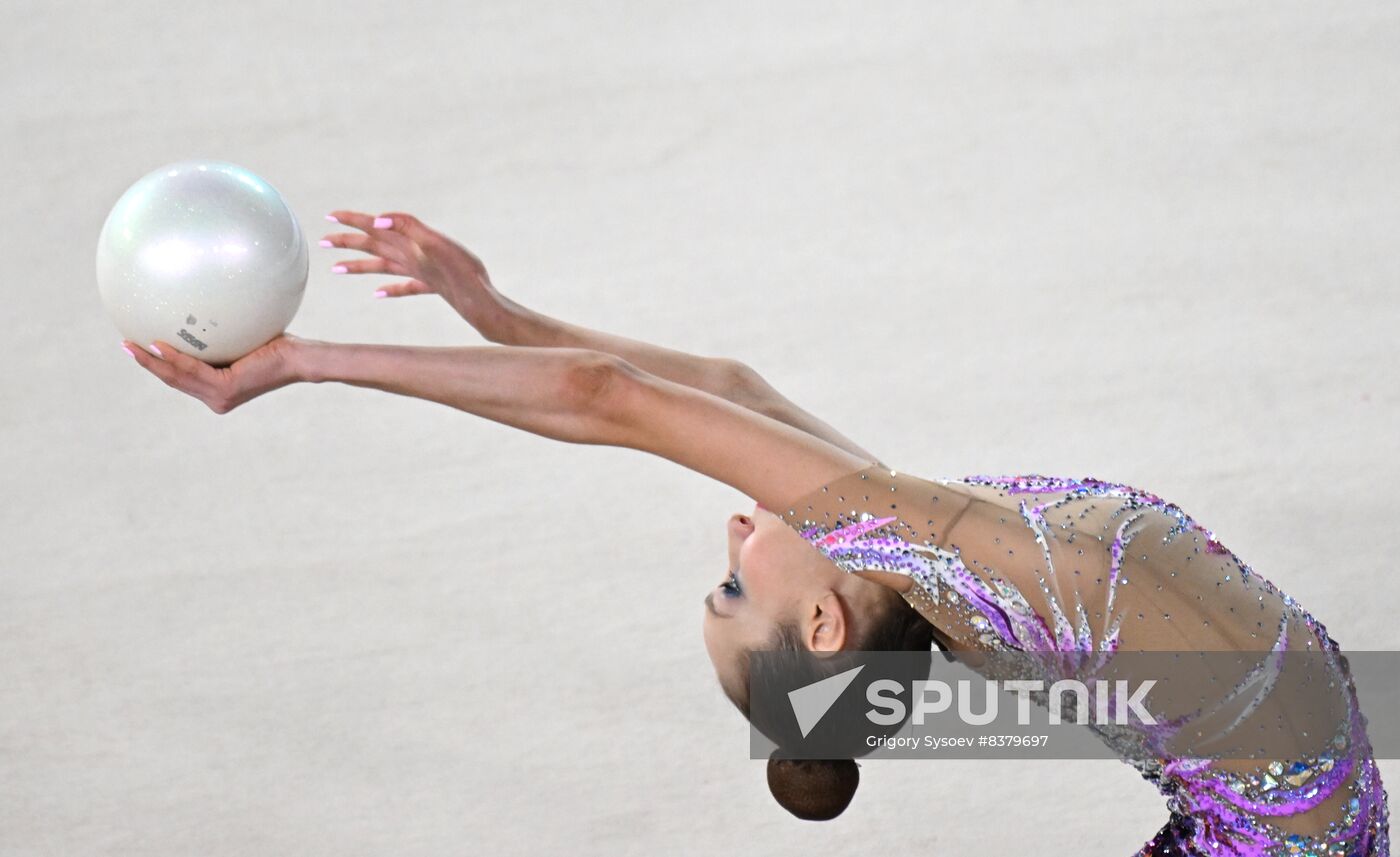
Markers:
(821, 789)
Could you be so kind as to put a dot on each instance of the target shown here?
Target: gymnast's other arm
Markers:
(403, 245)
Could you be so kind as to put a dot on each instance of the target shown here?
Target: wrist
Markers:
(519, 325)
(308, 360)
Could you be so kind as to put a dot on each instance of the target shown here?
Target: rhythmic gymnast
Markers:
(1041, 566)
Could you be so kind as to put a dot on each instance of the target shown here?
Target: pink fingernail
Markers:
(383, 222)
(339, 269)
(381, 294)
(331, 218)
(128, 350)
(326, 243)
(156, 350)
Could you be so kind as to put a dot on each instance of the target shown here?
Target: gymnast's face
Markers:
(774, 578)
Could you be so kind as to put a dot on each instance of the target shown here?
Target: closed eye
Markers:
(730, 586)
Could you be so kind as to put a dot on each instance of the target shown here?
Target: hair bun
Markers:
(813, 789)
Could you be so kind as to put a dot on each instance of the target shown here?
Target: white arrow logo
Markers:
(811, 703)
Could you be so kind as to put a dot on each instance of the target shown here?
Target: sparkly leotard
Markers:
(1057, 569)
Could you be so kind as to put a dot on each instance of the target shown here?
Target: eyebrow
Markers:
(710, 604)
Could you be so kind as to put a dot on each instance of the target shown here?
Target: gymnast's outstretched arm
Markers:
(728, 378)
(438, 265)
(569, 394)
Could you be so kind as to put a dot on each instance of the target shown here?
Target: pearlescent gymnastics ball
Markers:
(204, 255)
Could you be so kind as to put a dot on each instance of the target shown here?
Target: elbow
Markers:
(741, 384)
(591, 378)
(595, 393)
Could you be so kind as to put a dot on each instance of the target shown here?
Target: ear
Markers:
(824, 626)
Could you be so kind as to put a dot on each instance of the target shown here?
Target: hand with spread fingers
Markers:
(268, 367)
(403, 245)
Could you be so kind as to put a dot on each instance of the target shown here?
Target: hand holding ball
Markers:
(204, 255)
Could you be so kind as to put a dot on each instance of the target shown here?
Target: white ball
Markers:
(204, 255)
